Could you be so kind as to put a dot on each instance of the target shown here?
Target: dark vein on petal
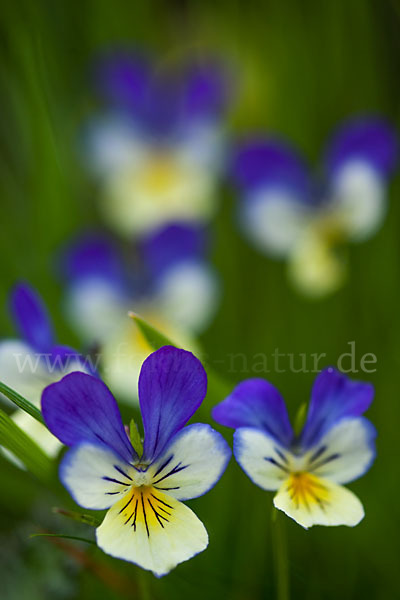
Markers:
(145, 516)
(281, 455)
(164, 465)
(158, 516)
(121, 472)
(126, 505)
(134, 519)
(162, 501)
(317, 454)
(127, 483)
(173, 471)
(276, 463)
(324, 461)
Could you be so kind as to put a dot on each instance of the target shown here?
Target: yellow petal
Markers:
(151, 530)
(314, 268)
(313, 501)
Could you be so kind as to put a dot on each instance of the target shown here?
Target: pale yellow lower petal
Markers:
(158, 191)
(314, 268)
(152, 530)
(313, 501)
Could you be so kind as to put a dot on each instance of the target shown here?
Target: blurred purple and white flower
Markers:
(336, 446)
(179, 296)
(158, 146)
(143, 489)
(31, 362)
(288, 215)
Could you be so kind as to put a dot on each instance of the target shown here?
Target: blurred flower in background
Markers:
(31, 363)
(288, 215)
(157, 146)
(173, 287)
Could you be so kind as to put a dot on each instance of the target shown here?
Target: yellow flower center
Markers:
(145, 505)
(161, 173)
(331, 228)
(306, 489)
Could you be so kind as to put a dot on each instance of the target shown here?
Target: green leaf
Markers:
(61, 535)
(300, 418)
(155, 338)
(77, 516)
(25, 449)
(135, 438)
(25, 405)
(218, 387)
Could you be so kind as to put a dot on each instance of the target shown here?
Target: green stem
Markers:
(144, 586)
(280, 557)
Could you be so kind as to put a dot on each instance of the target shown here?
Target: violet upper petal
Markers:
(206, 90)
(123, 78)
(80, 408)
(261, 163)
(172, 385)
(31, 317)
(256, 403)
(334, 396)
(369, 139)
(172, 244)
(92, 255)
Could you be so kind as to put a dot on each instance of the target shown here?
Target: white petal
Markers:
(314, 268)
(95, 477)
(38, 432)
(345, 452)
(112, 144)
(29, 372)
(151, 530)
(192, 464)
(261, 458)
(188, 294)
(312, 501)
(274, 220)
(359, 199)
(23, 370)
(96, 309)
(203, 144)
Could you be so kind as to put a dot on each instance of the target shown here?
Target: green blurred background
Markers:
(301, 68)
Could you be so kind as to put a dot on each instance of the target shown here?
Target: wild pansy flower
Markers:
(176, 290)
(335, 446)
(32, 362)
(287, 215)
(157, 147)
(146, 522)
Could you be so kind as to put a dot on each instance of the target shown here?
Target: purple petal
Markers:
(123, 80)
(333, 397)
(256, 403)
(368, 139)
(92, 255)
(172, 385)
(131, 85)
(80, 408)
(31, 317)
(206, 91)
(170, 245)
(261, 162)
(63, 357)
